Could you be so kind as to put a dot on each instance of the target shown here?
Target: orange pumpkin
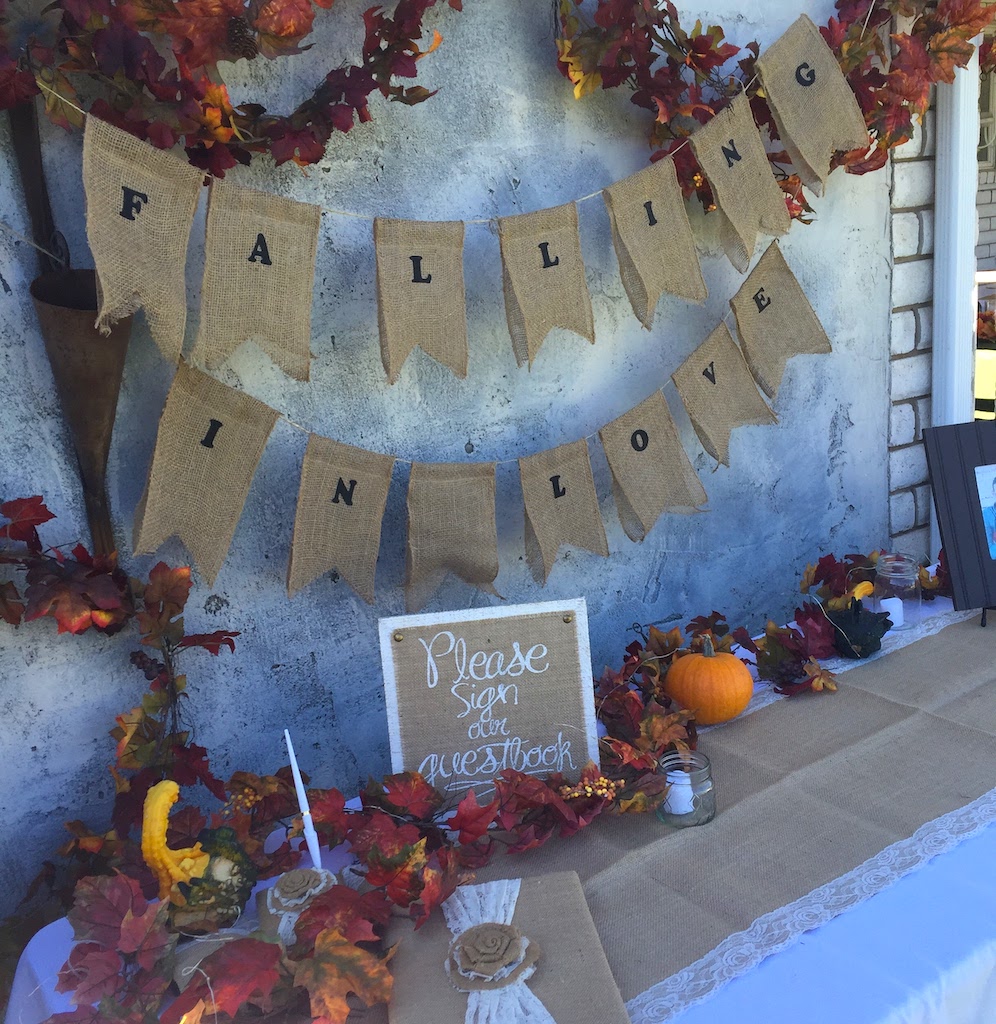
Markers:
(717, 687)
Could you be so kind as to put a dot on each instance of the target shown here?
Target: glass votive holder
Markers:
(897, 589)
(690, 798)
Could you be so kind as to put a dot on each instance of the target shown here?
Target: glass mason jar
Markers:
(897, 589)
(690, 798)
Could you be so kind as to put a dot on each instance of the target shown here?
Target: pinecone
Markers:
(240, 38)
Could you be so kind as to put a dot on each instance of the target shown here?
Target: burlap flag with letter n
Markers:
(259, 274)
(732, 156)
(340, 507)
(814, 108)
(650, 470)
(543, 278)
(140, 204)
(210, 440)
(719, 393)
(775, 320)
(420, 292)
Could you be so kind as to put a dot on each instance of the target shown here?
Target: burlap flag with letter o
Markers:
(814, 108)
(775, 320)
(259, 274)
(732, 156)
(653, 239)
(650, 470)
(140, 204)
(340, 507)
(210, 439)
(719, 393)
(451, 528)
(561, 506)
(420, 292)
(543, 278)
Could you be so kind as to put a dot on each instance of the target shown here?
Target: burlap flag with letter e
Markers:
(340, 506)
(650, 470)
(814, 108)
(259, 273)
(210, 439)
(451, 528)
(719, 393)
(543, 278)
(561, 506)
(140, 203)
(775, 320)
(420, 292)
(653, 239)
(732, 156)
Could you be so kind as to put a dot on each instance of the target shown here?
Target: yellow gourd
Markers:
(716, 687)
(860, 591)
(169, 866)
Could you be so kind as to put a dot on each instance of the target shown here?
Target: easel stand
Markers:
(984, 611)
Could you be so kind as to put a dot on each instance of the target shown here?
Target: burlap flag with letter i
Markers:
(259, 273)
(543, 278)
(210, 439)
(814, 108)
(420, 292)
(561, 506)
(775, 320)
(653, 239)
(732, 156)
(650, 470)
(340, 507)
(719, 393)
(140, 204)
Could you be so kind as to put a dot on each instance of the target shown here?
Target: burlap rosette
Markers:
(282, 904)
(490, 956)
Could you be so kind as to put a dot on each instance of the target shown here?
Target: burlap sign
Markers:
(775, 320)
(543, 278)
(719, 393)
(210, 439)
(340, 507)
(140, 204)
(561, 506)
(420, 292)
(732, 156)
(259, 274)
(650, 470)
(814, 108)
(653, 239)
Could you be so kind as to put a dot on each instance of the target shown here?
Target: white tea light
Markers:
(894, 606)
(679, 798)
(310, 835)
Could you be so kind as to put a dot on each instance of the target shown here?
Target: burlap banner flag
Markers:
(210, 439)
(561, 506)
(719, 393)
(420, 292)
(140, 204)
(775, 320)
(340, 507)
(543, 278)
(259, 274)
(650, 470)
(814, 108)
(653, 239)
(732, 156)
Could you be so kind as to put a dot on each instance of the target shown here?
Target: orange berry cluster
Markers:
(243, 801)
(600, 787)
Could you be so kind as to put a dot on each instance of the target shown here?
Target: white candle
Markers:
(310, 835)
(679, 798)
(894, 606)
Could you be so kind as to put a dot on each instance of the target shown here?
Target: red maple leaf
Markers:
(211, 642)
(190, 765)
(347, 911)
(380, 832)
(91, 973)
(25, 515)
(472, 820)
(440, 878)
(304, 146)
(406, 793)
(145, 935)
(100, 904)
(16, 85)
(184, 827)
(817, 629)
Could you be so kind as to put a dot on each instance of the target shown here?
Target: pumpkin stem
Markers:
(707, 646)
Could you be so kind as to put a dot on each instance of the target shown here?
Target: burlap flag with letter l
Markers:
(732, 156)
(140, 204)
(340, 507)
(719, 393)
(543, 278)
(210, 440)
(775, 320)
(420, 292)
(259, 275)
(650, 470)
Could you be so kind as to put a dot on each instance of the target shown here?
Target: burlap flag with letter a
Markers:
(140, 204)
(775, 320)
(650, 470)
(420, 292)
(543, 278)
(561, 506)
(259, 274)
(732, 156)
(719, 393)
(340, 507)
(210, 439)
(814, 108)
